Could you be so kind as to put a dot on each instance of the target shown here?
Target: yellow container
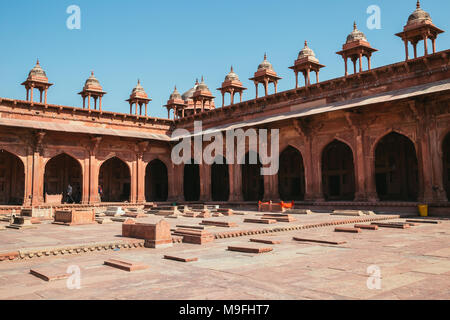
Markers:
(423, 210)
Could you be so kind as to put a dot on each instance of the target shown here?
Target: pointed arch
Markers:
(12, 179)
(63, 171)
(291, 175)
(396, 168)
(156, 181)
(114, 180)
(338, 171)
(252, 180)
(220, 179)
(191, 181)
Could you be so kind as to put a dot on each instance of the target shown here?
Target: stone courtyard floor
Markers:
(414, 263)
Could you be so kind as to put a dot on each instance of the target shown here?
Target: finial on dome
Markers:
(265, 56)
(92, 72)
(418, 4)
(196, 81)
(306, 43)
(202, 78)
(231, 68)
(37, 62)
(139, 81)
(354, 25)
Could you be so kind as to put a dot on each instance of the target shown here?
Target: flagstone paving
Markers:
(414, 264)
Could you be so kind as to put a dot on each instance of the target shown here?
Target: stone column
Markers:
(316, 174)
(94, 171)
(360, 168)
(28, 192)
(140, 176)
(85, 183)
(205, 182)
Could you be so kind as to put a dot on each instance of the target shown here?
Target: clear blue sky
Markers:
(167, 43)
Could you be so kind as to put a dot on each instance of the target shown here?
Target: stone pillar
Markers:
(85, 183)
(316, 168)
(435, 149)
(205, 182)
(140, 175)
(235, 176)
(369, 159)
(94, 171)
(134, 181)
(28, 192)
(360, 168)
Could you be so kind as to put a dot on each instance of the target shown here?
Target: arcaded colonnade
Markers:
(395, 152)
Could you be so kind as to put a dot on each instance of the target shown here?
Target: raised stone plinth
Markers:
(134, 213)
(204, 214)
(74, 217)
(366, 226)
(165, 211)
(394, 225)
(298, 211)
(41, 213)
(20, 222)
(266, 241)
(114, 211)
(194, 236)
(104, 220)
(155, 235)
(225, 211)
(318, 241)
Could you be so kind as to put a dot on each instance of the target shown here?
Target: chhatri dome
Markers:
(419, 16)
(175, 95)
(307, 52)
(356, 35)
(138, 91)
(188, 94)
(232, 76)
(92, 83)
(265, 64)
(37, 73)
(202, 86)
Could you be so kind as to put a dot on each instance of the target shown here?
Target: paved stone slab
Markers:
(50, 273)
(250, 249)
(180, 258)
(126, 265)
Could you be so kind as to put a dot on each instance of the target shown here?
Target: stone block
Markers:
(250, 249)
(262, 221)
(114, 211)
(126, 265)
(225, 211)
(41, 213)
(391, 225)
(155, 235)
(299, 211)
(74, 217)
(279, 217)
(204, 214)
(348, 230)
(21, 223)
(181, 259)
(103, 220)
(50, 273)
(366, 226)
(194, 236)
(266, 241)
(423, 221)
(224, 224)
(318, 241)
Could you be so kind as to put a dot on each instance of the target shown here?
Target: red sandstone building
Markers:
(376, 138)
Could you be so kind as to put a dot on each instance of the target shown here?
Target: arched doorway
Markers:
(396, 172)
(60, 172)
(156, 181)
(446, 155)
(12, 179)
(291, 175)
(252, 180)
(114, 179)
(191, 181)
(338, 172)
(220, 181)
